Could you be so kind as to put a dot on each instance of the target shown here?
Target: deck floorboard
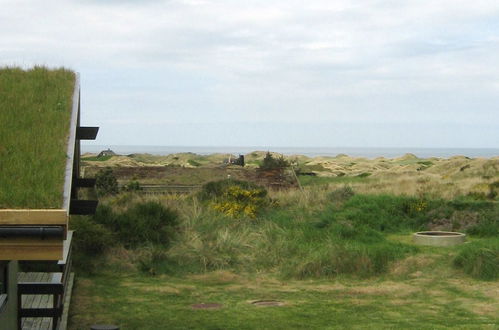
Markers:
(37, 301)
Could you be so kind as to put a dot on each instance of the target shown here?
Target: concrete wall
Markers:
(8, 314)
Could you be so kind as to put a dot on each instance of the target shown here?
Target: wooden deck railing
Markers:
(42, 295)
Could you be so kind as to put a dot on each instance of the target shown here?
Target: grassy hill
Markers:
(34, 117)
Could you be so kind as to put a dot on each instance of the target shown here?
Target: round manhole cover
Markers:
(207, 306)
(267, 303)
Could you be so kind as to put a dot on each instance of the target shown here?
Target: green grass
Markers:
(336, 260)
(480, 259)
(35, 114)
(139, 302)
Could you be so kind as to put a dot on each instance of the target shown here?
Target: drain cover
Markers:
(267, 303)
(207, 306)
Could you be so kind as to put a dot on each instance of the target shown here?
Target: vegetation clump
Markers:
(270, 162)
(143, 224)
(235, 198)
(140, 224)
(106, 183)
(480, 259)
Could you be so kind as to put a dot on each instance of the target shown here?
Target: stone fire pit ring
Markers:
(438, 238)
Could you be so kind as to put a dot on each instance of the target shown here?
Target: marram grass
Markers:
(35, 112)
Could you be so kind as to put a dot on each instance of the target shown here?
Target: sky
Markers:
(366, 73)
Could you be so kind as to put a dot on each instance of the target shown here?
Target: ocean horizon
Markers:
(305, 151)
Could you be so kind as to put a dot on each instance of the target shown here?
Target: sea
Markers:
(305, 151)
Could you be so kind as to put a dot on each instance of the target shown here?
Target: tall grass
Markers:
(480, 259)
(284, 240)
(35, 110)
(315, 233)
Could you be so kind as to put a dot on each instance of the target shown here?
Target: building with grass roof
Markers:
(39, 182)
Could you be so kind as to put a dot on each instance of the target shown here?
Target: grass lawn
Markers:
(334, 258)
(34, 117)
(422, 291)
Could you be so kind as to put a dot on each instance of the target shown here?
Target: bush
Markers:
(106, 183)
(480, 259)
(235, 198)
(143, 223)
(90, 238)
(270, 163)
(90, 241)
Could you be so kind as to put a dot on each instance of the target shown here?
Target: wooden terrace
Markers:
(43, 297)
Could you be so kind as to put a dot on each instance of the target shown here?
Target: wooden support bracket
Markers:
(82, 207)
(86, 133)
(84, 183)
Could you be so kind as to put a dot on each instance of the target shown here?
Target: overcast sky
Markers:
(401, 73)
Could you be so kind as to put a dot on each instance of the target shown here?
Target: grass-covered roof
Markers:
(35, 114)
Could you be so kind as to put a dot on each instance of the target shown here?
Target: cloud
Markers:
(194, 61)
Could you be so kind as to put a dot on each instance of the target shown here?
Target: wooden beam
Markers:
(15, 217)
(84, 183)
(86, 133)
(82, 207)
(30, 249)
(71, 144)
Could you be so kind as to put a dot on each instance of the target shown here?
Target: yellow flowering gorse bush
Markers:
(237, 201)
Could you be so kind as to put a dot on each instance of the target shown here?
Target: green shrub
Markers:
(90, 237)
(480, 259)
(106, 183)
(142, 223)
(90, 241)
(270, 163)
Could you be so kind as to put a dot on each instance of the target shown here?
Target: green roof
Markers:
(35, 115)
